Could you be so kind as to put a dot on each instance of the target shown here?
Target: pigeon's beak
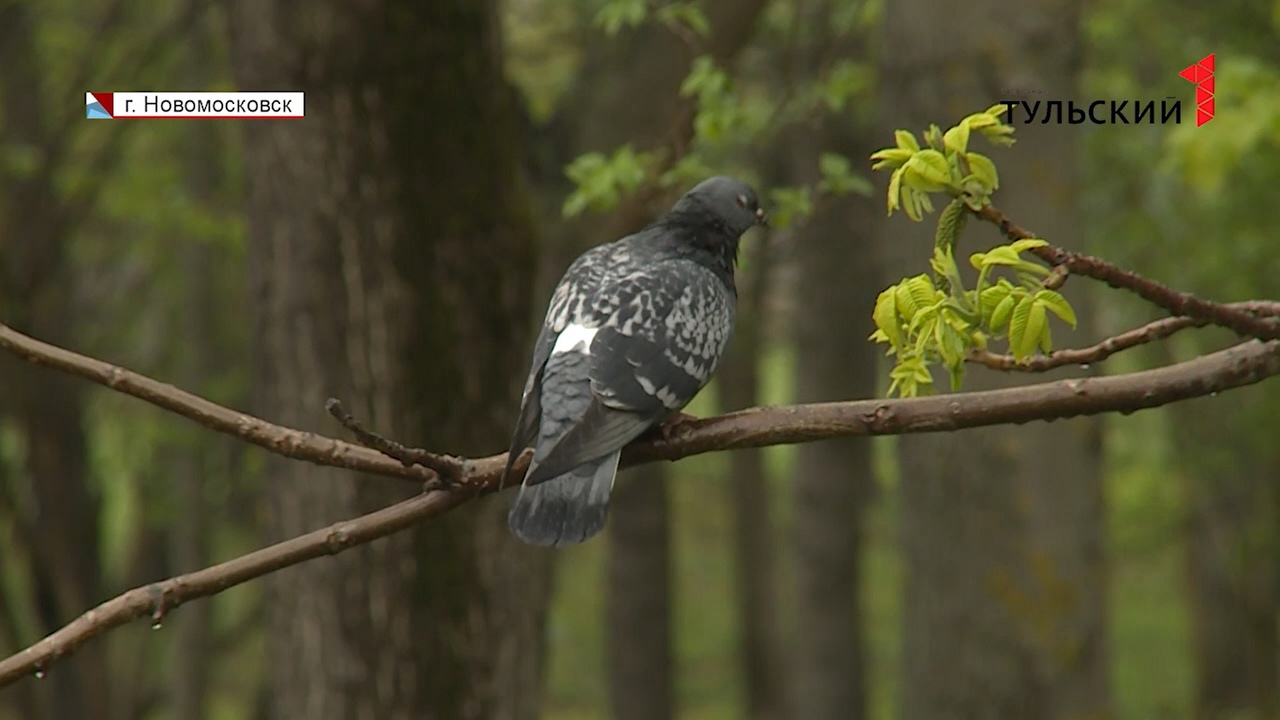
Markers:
(761, 218)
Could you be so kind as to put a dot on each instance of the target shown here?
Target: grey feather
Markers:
(599, 432)
(634, 330)
(531, 403)
(567, 509)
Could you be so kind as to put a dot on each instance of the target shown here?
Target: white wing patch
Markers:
(575, 338)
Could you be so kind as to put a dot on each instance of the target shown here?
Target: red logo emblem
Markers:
(1202, 75)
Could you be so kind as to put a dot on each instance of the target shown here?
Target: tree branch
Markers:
(155, 600)
(1243, 364)
(284, 441)
(1157, 330)
(449, 468)
(1178, 303)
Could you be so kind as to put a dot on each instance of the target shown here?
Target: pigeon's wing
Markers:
(662, 345)
(600, 431)
(581, 281)
(531, 403)
(660, 334)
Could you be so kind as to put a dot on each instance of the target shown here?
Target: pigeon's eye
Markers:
(742, 201)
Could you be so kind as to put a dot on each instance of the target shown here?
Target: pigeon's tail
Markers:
(567, 509)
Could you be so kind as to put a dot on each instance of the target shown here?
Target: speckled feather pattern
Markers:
(634, 330)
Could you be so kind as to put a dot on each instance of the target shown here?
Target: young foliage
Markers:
(728, 122)
(936, 319)
(602, 180)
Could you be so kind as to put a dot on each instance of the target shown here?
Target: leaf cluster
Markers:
(936, 319)
(729, 120)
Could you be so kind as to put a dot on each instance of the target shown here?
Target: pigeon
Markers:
(633, 332)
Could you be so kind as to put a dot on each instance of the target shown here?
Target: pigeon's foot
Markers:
(670, 429)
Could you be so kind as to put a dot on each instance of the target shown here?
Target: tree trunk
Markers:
(390, 238)
(37, 296)
(1003, 529)
(837, 286)
(639, 609)
(188, 537)
(762, 655)
(1231, 555)
(602, 114)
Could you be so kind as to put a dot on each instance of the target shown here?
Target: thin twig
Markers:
(1157, 330)
(450, 469)
(1177, 303)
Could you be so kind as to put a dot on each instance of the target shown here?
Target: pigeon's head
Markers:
(724, 201)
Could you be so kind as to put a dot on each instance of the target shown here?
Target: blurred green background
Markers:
(481, 139)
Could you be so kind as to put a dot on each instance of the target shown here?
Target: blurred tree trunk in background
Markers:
(838, 281)
(763, 651)
(55, 514)
(1003, 529)
(628, 92)
(1232, 555)
(189, 537)
(390, 241)
(638, 633)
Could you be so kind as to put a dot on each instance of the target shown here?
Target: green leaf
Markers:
(890, 158)
(978, 121)
(838, 177)
(1057, 304)
(933, 137)
(932, 174)
(1028, 243)
(1037, 327)
(922, 330)
(1001, 315)
(886, 316)
(845, 80)
(913, 295)
(906, 141)
(999, 255)
(950, 224)
(602, 181)
(984, 169)
(704, 78)
(957, 138)
(942, 263)
(910, 377)
(955, 340)
(990, 297)
(687, 14)
(789, 205)
(617, 14)
(895, 190)
(914, 201)
(1025, 327)
(1046, 338)
(688, 169)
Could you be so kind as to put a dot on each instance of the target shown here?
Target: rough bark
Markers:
(1002, 529)
(837, 280)
(390, 239)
